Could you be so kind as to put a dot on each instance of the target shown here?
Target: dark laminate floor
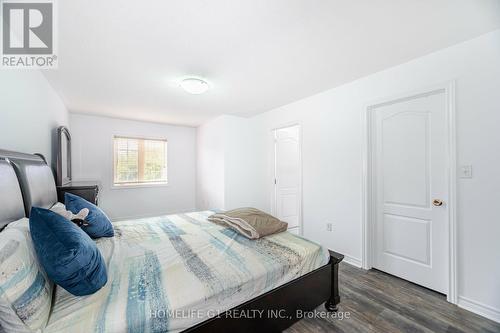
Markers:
(378, 302)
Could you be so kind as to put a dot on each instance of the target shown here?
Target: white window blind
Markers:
(139, 161)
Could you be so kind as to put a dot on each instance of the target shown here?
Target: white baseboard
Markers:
(352, 261)
(479, 308)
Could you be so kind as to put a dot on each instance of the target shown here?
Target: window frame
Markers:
(141, 184)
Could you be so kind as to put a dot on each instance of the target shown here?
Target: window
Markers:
(139, 161)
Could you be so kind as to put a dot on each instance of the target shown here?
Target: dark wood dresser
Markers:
(89, 190)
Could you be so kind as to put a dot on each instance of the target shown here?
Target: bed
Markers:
(179, 273)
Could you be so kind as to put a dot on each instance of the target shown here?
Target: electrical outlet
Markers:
(329, 227)
(465, 171)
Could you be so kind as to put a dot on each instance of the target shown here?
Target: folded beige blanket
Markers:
(250, 222)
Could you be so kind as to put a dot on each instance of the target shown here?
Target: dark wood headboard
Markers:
(10, 195)
(25, 181)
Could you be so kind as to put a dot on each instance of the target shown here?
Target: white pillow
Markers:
(23, 224)
(25, 290)
(58, 205)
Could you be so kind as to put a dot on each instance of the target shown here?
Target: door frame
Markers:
(273, 171)
(368, 185)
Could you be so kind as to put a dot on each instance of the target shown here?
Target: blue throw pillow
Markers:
(99, 223)
(68, 255)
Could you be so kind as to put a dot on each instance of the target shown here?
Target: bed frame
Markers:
(280, 308)
(26, 180)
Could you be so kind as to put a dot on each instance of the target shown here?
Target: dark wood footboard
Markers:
(281, 307)
(331, 304)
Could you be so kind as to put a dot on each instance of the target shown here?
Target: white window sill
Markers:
(139, 185)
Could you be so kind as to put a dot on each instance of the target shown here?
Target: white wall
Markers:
(30, 112)
(242, 169)
(226, 164)
(332, 135)
(93, 159)
(210, 165)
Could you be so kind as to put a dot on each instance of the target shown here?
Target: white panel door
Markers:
(287, 189)
(410, 187)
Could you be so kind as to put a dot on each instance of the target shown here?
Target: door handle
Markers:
(437, 202)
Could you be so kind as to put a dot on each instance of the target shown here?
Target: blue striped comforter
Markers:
(169, 273)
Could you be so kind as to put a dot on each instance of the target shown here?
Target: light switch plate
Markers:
(466, 171)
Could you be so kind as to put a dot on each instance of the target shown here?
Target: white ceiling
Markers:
(123, 58)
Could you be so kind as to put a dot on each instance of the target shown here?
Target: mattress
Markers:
(171, 272)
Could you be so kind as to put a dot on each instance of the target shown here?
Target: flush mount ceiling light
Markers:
(194, 86)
